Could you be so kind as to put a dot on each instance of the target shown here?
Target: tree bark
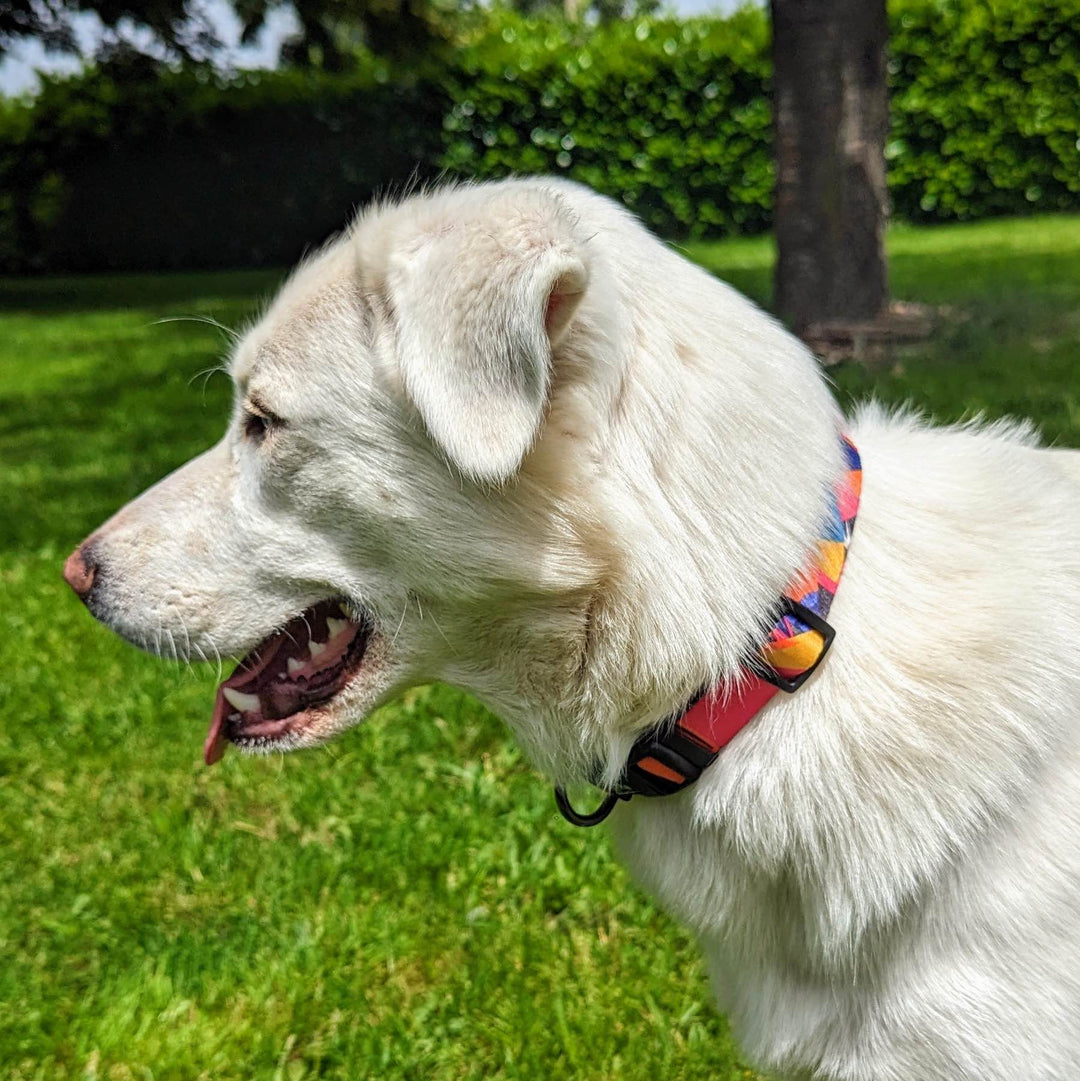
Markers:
(831, 118)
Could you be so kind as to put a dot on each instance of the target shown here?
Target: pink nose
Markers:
(79, 571)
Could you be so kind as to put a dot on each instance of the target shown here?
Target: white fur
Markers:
(569, 471)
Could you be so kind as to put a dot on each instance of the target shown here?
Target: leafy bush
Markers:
(985, 107)
(152, 169)
(671, 117)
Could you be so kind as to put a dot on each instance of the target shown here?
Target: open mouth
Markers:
(284, 683)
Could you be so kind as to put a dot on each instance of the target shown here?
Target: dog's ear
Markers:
(478, 302)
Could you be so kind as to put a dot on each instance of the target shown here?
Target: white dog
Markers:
(500, 436)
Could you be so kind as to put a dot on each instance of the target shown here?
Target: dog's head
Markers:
(366, 523)
(498, 436)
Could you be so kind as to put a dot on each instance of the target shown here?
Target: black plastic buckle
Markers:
(815, 623)
(672, 748)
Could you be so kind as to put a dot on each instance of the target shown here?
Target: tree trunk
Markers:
(831, 119)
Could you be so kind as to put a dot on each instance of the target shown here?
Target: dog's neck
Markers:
(717, 452)
(697, 593)
(708, 466)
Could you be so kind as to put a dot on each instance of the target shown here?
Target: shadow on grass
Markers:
(76, 456)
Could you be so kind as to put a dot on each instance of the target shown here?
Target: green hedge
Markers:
(671, 117)
(985, 107)
(175, 169)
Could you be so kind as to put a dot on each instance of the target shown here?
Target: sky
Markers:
(17, 70)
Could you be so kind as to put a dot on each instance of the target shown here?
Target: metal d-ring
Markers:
(576, 818)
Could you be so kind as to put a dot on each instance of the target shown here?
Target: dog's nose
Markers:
(80, 570)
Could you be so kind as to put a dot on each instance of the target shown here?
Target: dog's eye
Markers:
(255, 427)
(258, 423)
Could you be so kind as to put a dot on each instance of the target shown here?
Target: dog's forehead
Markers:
(321, 295)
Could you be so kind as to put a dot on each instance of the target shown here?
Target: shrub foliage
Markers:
(178, 169)
(671, 117)
(985, 107)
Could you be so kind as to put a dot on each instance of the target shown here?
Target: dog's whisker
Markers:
(218, 659)
(172, 646)
(442, 633)
(207, 373)
(187, 642)
(401, 622)
(231, 334)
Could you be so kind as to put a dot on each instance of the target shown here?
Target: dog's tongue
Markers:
(216, 743)
(247, 673)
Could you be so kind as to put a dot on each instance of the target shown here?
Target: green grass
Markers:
(405, 904)
(1009, 344)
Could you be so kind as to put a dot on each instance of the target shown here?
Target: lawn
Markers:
(406, 903)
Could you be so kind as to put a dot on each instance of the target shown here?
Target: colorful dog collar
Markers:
(672, 756)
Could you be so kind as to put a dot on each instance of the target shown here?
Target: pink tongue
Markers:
(216, 743)
(246, 672)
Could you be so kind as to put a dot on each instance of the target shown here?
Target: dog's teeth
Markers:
(294, 666)
(246, 703)
(336, 626)
(316, 647)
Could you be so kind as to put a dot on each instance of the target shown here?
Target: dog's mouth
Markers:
(282, 687)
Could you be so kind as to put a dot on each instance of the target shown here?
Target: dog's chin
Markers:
(320, 674)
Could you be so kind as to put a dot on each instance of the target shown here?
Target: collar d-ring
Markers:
(576, 818)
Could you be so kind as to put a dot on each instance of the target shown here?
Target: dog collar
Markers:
(672, 755)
